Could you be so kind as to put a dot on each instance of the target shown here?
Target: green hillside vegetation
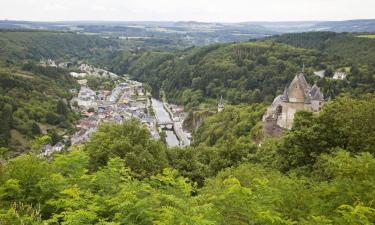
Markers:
(246, 72)
(33, 97)
(18, 45)
(350, 47)
(128, 178)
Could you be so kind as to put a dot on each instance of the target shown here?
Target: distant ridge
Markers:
(194, 32)
(360, 25)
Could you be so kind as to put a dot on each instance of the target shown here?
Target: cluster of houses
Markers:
(48, 149)
(338, 75)
(126, 101)
(88, 70)
(84, 69)
(53, 63)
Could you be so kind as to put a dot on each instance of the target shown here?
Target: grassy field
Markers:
(19, 141)
(371, 36)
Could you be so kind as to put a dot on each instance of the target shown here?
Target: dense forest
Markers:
(322, 171)
(33, 101)
(35, 45)
(351, 47)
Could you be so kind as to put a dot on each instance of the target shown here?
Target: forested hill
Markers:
(33, 45)
(33, 100)
(352, 47)
(242, 72)
(256, 71)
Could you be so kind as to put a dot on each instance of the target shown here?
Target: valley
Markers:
(102, 130)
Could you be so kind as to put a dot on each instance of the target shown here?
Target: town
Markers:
(128, 100)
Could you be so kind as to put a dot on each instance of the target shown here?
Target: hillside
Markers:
(354, 48)
(253, 72)
(18, 45)
(32, 102)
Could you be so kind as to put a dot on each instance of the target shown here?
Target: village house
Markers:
(339, 75)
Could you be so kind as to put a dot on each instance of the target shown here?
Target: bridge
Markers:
(166, 126)
(165, 123)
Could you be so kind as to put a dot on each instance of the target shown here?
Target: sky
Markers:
(186, 10)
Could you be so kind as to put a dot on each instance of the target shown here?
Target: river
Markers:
(162, 116)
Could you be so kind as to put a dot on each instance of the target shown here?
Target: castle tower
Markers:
(298, 96)
(220, 106)
(298, 89)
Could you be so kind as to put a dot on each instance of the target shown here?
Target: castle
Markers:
(300, 95)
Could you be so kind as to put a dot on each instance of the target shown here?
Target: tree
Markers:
(39, 141)
(35, 129)
(55, 137)
(129, 141)
(61, 108)
(53, 118)
(6, 124)
(340, 124)
(3, 152)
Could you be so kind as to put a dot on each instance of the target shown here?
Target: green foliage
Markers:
(340, 124)
(130, 142)
(39, 141)
(96, 83)
(224, 140)
(61, 108)
(339, 189)
(68, 194)
(234, 121)
(35, 129)
(33, 99)
(6, 112)
(22, 44)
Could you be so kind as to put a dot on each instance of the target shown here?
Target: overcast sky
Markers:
(183, 10)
